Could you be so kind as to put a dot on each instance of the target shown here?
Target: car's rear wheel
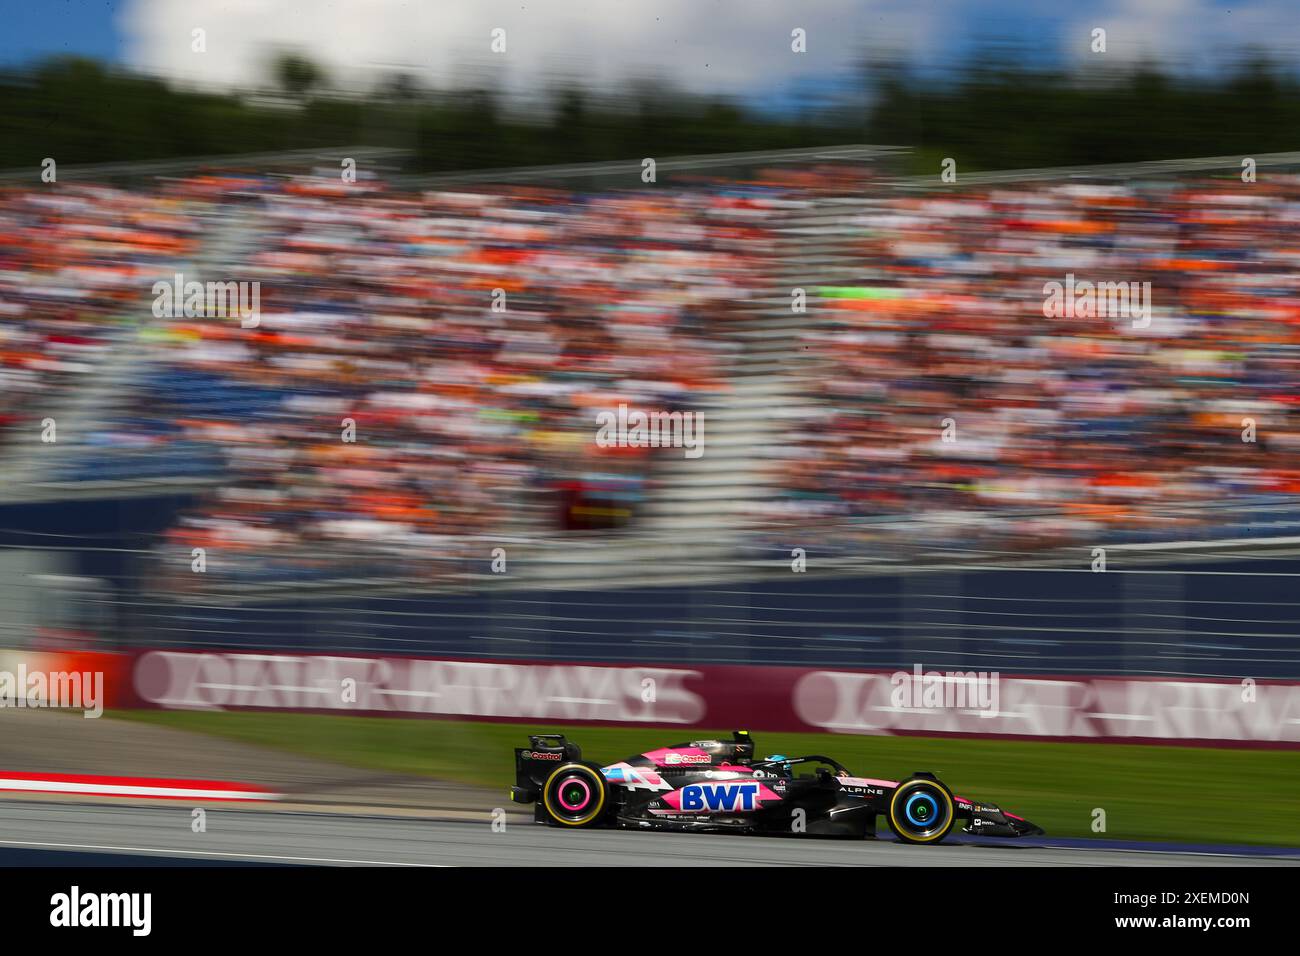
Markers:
(921, 811)
(575, 795)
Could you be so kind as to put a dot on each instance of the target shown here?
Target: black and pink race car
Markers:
(717, 785)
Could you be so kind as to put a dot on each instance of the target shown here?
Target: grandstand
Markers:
(475, 427)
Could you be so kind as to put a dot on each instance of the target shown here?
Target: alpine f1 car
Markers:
(717, 785)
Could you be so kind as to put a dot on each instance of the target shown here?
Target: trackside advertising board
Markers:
(920, 701)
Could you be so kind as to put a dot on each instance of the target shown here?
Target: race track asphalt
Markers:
(63, 833)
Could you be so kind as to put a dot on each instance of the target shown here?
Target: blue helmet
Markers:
(780, 759)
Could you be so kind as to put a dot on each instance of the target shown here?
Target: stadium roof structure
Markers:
(393, 160)
(1105, 172)
(668, 164)
(268, 161)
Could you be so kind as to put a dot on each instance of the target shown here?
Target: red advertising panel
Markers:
(1131, 709)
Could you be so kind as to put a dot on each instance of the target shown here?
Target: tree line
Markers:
(996, 116)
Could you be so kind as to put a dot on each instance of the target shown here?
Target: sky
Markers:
(730, 47)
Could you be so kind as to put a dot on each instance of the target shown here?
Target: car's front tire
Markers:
(575, 795)
(922, 811)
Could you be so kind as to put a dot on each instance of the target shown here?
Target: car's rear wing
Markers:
(534, 763)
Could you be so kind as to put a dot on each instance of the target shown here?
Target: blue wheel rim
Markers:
(921, 810)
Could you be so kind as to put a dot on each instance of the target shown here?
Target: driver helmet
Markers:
(781, 766)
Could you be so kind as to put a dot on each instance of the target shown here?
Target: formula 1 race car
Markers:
(717, 785)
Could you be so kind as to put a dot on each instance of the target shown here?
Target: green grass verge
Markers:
(1190, 794)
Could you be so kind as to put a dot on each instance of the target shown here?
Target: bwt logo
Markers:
(719, 796)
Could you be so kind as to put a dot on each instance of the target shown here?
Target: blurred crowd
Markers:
(434, 362)
(73, 263)
(944, 394)
(428, 366)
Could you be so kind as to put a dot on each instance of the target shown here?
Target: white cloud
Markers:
(728, 46)
(1184, 35)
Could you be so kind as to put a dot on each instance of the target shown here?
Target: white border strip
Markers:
(126, 790)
